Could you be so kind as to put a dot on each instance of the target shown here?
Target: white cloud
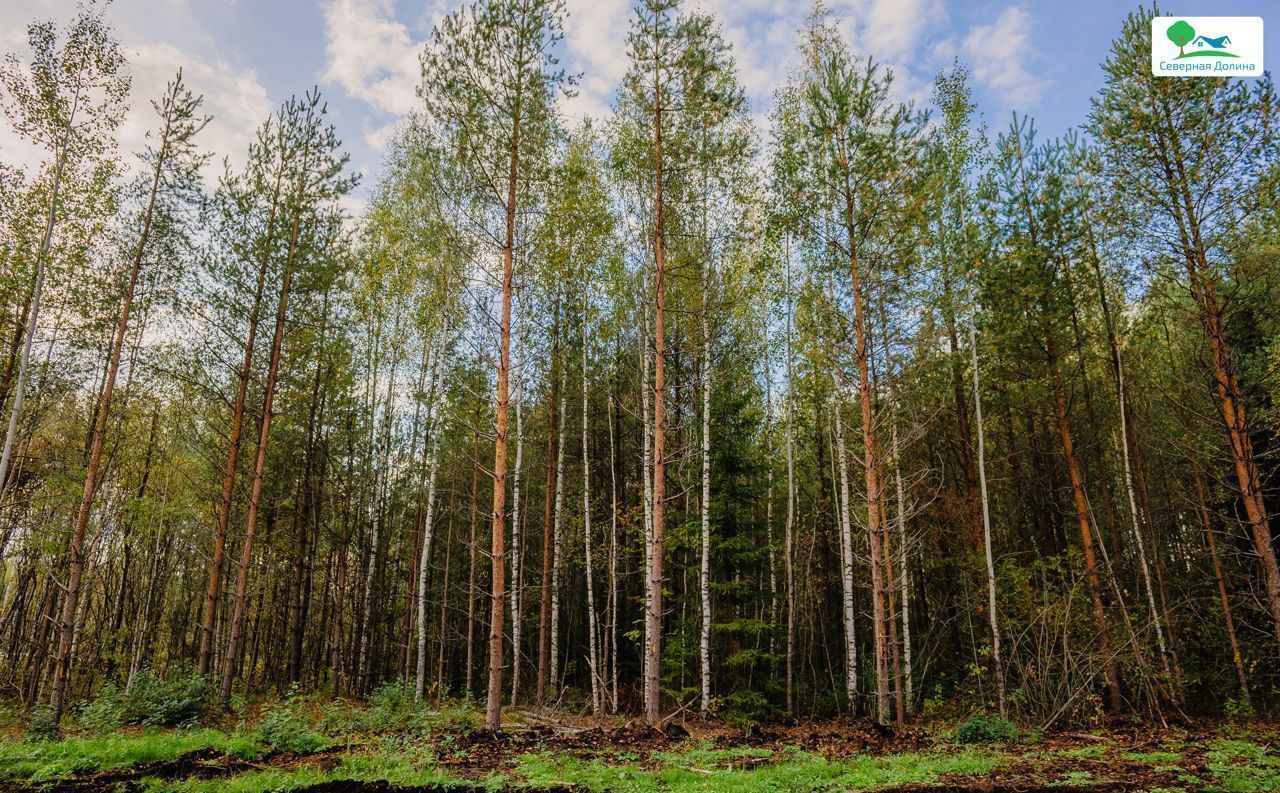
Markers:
(596, 41)
(234, 99)
(998, 55)
(371, 55)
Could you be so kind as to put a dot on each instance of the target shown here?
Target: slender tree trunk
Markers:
(493, 709)
(1086, 529)
(517, 548)
(653, 614)
(469, 669)
(557, 544)
(214, 589)
(788, 541)
(1236, 659)
(846, 559)
(548, 544)
(428, 530)
(704, 571)
(613, 561)
(593, 661)
(33, 314)
(992, 618)
(1231, 402)
(255, 493)
(71, 601)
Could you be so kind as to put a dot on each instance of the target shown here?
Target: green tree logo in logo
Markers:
(1181, 33)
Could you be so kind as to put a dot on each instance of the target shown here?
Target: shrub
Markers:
(984, 728)
(745, 707)
(157, 702)
(42, 726)
(105, 712)
(285, 727)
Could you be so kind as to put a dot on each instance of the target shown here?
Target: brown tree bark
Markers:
(71, 601)
(653, 606)
(255, 492)
(1081, 501)
(214, 588)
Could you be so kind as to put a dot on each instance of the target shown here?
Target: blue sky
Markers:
(248, 56)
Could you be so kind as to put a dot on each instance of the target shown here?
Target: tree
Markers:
(1181, 33)
(69, 102)
(315, 181)
(1188, 156)
(174, 180)
(489, 85)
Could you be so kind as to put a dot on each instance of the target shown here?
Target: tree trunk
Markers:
(1081, 501)
(992, 619)
(653, 606)
(593, 661)
(548, 544)
(214, 589)
(1236, 659)
(71, 601)
(255, 492)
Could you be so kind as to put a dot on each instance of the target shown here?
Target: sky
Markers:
(1036, 57)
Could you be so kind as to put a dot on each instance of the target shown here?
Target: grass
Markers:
(46, 760)
(391, 761)
(1243, 767)
(712, 771)
(397, 751)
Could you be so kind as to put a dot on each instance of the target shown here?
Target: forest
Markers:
(874, 422)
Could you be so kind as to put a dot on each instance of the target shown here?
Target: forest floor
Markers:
(579, 755)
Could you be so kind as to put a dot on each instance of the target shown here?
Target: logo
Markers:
(1206, 46)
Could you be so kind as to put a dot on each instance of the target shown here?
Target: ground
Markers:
(371, 750)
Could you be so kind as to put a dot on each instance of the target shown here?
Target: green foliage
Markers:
(985, 728)
(286, 728)
(43, 725)
(1181, 33)
(1243, 767)
(164, 702)
(105, 712)
(724, 770)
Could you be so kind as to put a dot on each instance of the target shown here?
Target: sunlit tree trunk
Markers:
(593, 662)
(992, 618)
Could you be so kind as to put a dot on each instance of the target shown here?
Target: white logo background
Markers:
(1246, 42)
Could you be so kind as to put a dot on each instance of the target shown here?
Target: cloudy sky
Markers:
(1038, 57)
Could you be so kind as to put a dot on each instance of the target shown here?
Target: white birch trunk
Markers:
(704, 571)
(592, 656)
(986, 521)
(846, 561)
(557, 541)
(424, 558)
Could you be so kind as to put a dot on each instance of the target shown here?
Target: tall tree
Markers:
(490, 81)
(1188, 156)
(173, 181)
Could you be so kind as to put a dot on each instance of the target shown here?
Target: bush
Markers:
(745, 707)
(157, 702)
(105, 712)
(42, 726)
(285, 727)
(984, 728)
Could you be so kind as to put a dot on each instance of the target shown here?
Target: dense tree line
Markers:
(871, 411)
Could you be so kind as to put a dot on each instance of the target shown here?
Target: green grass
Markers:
(45, 760)
(710, 771)
(394, 762)
(1243, 767)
